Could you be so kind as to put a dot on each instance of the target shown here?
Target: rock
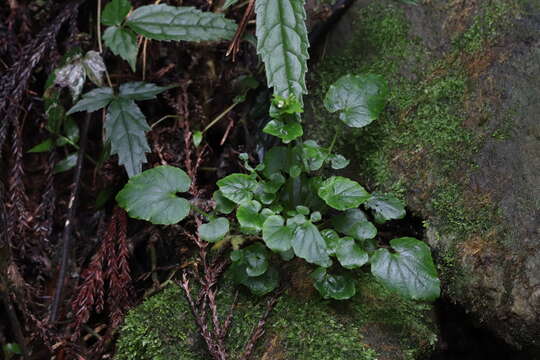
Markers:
(459, 140)
(373, 325)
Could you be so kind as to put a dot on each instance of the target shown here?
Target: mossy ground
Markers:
(422, 147)
(373, 325)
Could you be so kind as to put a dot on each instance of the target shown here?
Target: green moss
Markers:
(300, 328)
(487, 26)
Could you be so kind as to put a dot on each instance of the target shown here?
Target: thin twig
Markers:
(66, 236)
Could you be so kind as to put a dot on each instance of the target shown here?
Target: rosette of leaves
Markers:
(159, 22)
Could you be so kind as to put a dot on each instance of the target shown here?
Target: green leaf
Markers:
(350, 254)
(359, 98)
(43, 146)
(310, 245)
(256, 258)
(93, 100)
(123, 43)
(140, 90)
(410, 271)
(125, 127)
(279, 158)
(386, 207)
(313, 156)
(66, 164)
(229, 3)
(94, 66)
(164, 22)
(287, 130)
(339, 287)
(251, 221)
(152, 195)
(214, 230)
(342, 193)
(258, 285)
(331, 238)
(282, 42)
(276, 235)
(238, 188)
(223, 205)
(345, 221)
(197, 138)
(363, 231)
(115, 12)
(339, 162)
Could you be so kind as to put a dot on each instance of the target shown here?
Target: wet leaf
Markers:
(214, 230)
(276, 235)
(342, 193)
(238, 188)
(339, 287)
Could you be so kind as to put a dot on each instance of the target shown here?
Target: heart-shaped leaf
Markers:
(251, 221)
(410, 271)
(345, 221)
(256, 258)
(223, 205)
(310, 245)
(350, 254)
(339, 287)
(386, 207)
(359, 98)
(214, 230)
(276, 235)
(151, 195)
(287, 130)
(238, 188)
(342, 193)
(338, 162)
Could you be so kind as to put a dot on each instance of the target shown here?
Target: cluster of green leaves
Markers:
(292, 210)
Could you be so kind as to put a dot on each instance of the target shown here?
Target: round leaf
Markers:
(386, 207)
(363, 230)
(344, 222)
(342, 193)
(339, 287)
(287, 130)
(256, 258)
(331, 238)
(276, 235)
(223, 205)
(410, 271)
(310, 245)
(214, 230)
(151, 195)
(349, 254)
(251, 221)
(263, 284)
(359, 98)
(238, 188)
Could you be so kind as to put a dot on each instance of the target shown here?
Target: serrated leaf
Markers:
(214, 230)
(409, 271)
(386, 207)
(165, 22)
(152, 195)
(287, 130)
(125, 127)
(93, 100)
(94, 67)
(123, 43)
(282, 42)
(276, 235)
(310, 245)
(223, 205)
(66, 164)
(350, 254)
(71, 76)
(359, 98)
(115, 12)
(339, 287)
(140, 90)
(342, 193)
(238, 188)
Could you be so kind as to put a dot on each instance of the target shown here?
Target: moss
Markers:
(374, 325)
(421, 147)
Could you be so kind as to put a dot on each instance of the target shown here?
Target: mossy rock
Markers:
(375, 324)
(458, 140)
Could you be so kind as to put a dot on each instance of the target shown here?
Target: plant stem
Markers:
(165, 118)
(219, 117)
(98, 26)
